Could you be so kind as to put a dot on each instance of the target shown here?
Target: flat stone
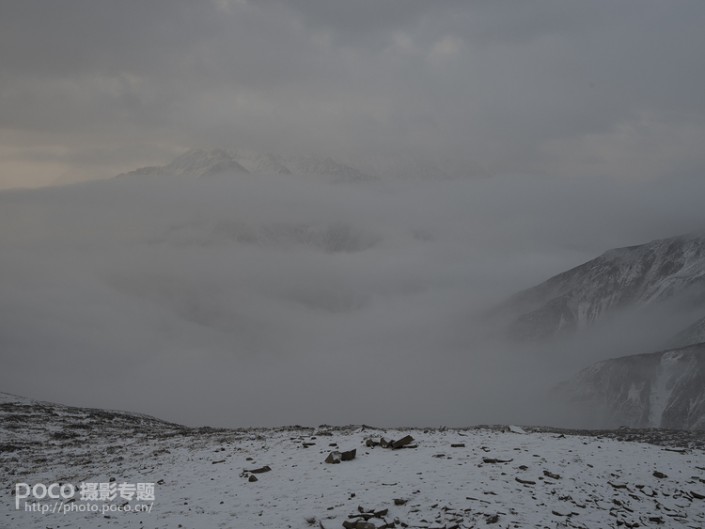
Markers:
(260, 470)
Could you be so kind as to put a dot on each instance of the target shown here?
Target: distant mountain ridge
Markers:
(620, 278)
(656, 390)
(203, 163)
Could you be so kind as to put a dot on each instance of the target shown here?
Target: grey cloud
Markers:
(496, 84)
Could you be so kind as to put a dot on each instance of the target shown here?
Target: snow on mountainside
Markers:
(656, 390)
(620, 278)
(278, 477)
(200, 163)
(204, 163)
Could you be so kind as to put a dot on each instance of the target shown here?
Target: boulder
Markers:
(334, 457)
(348, 455)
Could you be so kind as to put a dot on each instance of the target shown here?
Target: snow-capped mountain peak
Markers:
(201, 162)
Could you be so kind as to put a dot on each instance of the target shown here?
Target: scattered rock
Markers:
(358, 524)
(252, 478)
(494, 518)
(401, 443)
(551, 475)
(659, 475)
(327, 433)
(334, 457)
(259, 470)
(525, 481)
(457, 445)
(516, 429)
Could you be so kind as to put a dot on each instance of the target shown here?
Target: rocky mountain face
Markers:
(656, 390)
(621, 278)
(203, 163)
(664, 389)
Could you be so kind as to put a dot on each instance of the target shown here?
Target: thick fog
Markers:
(513, 140)
(262, 300)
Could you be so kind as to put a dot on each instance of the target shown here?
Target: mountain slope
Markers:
(656, 390)
(30, 423)
(621, 278)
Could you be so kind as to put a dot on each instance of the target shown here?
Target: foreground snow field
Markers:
(444, 478)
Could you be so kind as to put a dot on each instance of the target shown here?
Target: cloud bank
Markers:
(276, 299)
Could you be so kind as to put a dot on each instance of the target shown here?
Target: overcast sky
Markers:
(572, 89)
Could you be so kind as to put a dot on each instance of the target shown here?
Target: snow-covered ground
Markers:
(444, 478)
